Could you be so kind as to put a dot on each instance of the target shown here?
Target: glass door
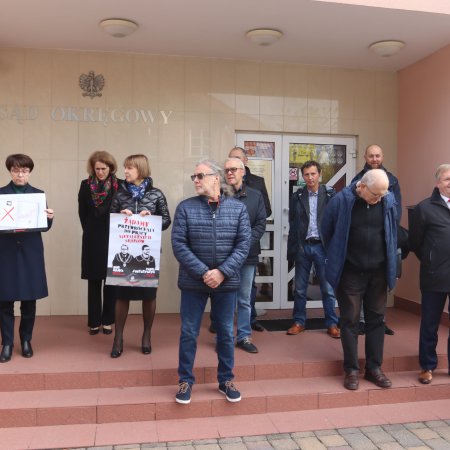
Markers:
(278, 158)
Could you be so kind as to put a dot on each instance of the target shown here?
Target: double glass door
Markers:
(278, 158)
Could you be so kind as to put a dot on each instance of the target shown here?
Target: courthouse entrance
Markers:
(278, 158)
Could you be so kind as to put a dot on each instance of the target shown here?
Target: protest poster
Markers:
(134, 250)
(23, 212)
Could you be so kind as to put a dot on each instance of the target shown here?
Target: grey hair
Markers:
(373, 176)
(237, 161)
(217, 169)
(440, 169)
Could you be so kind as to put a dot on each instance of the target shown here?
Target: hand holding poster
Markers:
(134, 250)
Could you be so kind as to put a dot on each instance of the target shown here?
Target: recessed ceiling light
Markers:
(264, 36)
(386, 48)
(119, 28)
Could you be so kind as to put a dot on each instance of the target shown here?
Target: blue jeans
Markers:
(192, 307)
(243, 302)
(312, 253)
(432, 307)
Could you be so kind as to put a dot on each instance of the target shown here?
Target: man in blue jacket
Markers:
(211, 239)
(374, 158)
(234, 174)
(359, 229)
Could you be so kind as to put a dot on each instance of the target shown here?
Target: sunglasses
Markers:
(201, 175)
(231, 169)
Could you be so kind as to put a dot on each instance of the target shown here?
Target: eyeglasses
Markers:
(231, 169)
(376, 195)
(16, 171)
(201, 175)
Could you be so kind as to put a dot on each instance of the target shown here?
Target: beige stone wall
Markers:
(209, 100)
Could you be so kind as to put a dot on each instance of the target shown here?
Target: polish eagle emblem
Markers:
(92, 84)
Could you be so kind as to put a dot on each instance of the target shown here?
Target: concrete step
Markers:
(155, 403)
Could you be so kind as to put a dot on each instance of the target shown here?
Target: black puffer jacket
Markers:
(153, 201)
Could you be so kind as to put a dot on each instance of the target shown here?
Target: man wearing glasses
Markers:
(211, 237)
(253, 200)
(359, 230)
(374, 157)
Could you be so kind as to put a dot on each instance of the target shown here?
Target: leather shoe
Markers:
(295, 329)
(378, 378)
(388, 331)
(351, 380)
(94, 331)
(116, 350)
(6, 353)
(107, 329)
(27, 349)
(334, 332)
(426, 376)
(257, 326)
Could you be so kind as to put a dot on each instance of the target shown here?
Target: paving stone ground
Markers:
(412, 436)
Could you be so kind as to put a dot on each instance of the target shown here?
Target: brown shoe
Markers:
(295, 329)
(378, 378)
(426, 376)
(334, 332)
(351, 380)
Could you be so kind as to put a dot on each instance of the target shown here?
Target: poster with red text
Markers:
(134, 251)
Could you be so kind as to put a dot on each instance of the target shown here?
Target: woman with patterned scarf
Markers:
(94, 202)
(136, 195)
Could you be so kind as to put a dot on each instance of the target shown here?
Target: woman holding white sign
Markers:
(22, 265)
(94, 201)
(136, 195)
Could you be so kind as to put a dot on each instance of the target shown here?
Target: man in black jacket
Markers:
(305, 247)
(258, 183)
(429, 238)
(234, 174)
(374, 157)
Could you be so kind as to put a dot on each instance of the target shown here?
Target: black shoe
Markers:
(27, 349)
(388, 331)
(117, 351)
(378, 378)
(212, 329)
(107, 330)
(6, 353)
(257, 326)
(362, 328)
(94, 331)
(247, 345)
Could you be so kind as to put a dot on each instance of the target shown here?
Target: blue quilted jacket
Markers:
(204, 240)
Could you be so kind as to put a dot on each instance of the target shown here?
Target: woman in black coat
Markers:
(94, 203)
(136, 195)
(22, 266)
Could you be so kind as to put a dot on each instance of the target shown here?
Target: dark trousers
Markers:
(432, 307)
(353, 288)
(96, 314)
(28, 315)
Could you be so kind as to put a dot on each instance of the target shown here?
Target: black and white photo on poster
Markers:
(134, 250)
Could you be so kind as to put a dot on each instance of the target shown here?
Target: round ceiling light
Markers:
(119, 28)
(386, 48)
(264, 36)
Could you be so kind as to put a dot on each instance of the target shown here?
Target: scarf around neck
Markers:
(138, 192)
(101, 189)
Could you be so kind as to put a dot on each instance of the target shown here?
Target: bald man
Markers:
(374, 158)
(359, 232)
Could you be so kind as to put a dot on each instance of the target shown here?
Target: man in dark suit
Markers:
(305, 247)
(258, 183)
(429, 237)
